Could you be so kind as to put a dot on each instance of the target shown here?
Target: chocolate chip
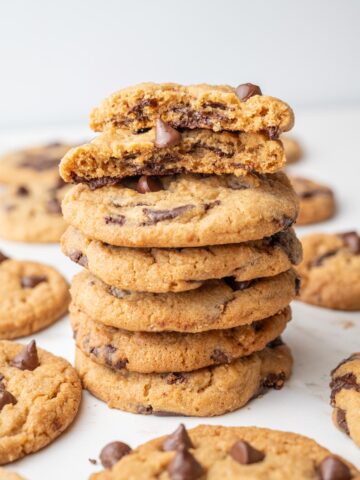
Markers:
(6, 398)
(27, 359)
(113, 452)
(22, 191)
(165, 135)
(344, 382)
(31, 281)
(115, 219)
(3, 257)
(218, 356)
(179, 438)
(273, 133)
(242, 452)
(275, 343)
(174, 378)
(237, 286)
(148, 184)
(78, 257)
(352, 241)
(156, 216)
(297, 286)
(247, 90)
(274, 380)
(332, 468)
(118, 293)
(144, 409)
(184, 466)
(341, 420)
(94, 183)
(53, 205)
(318, 261)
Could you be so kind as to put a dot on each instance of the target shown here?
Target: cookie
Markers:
(119, 153)
(196, 106)
(345, 396)
(206, 392)
(39, 164)
(293, 150)
(232, 453)
(188, 211)
(330, 270)
(7, 475)
(317, 202)
(176, 270)
(32, 213)
(218, 304)
(146, 352)
(40, 395)
(33, 296)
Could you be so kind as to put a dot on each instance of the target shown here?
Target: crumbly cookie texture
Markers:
(293, 150)
(37, 164)
(317, 201)
(188, 211)
(119, 153)
(330, 270)
(195, 106)
(33, 296)
(33, 213)
(345, 396)
(163, 270)
(206, 392)
(218, 304)
(146, 352)
(39, 399)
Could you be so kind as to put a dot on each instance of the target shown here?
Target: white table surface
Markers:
(319, 338)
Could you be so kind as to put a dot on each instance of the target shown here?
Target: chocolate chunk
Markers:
(142, 130)
(27, 359)
(22, 191)
(273, 133)
(78, 257)
(341, 420)
(218, 356)
(115, 219)
(94, 183)
(118, 293)
(332, 468)
(179, 438)
(297, 286)
(275, 343)
(344, 382)
(92, 461)
(31, 281)
(53, 205)
(210, 205)
(242, 452)
(165, 135)
(352, 241)
(144, 409)
(113, 452)
(3, 257)
(286, 222)
(184, 466)
(156, 216)
(174, 378)
(287, 243)
(218, 105)
(236, 286)
(109, 350)
(236, 183)
(274, 380)
(247, 90)
(148, 184)
(6, 398)
(318, 261)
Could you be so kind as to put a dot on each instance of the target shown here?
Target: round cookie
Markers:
(231, 453)
(39, 164)
(218, 304)
(330, 270)
(146, 352)
(40, 395)
(32, 213)
(33, 296)
(177, 270)
(293, 150)
(317, 202)
(188, 211)
(345, 396)
(7, 475)
(206, 392)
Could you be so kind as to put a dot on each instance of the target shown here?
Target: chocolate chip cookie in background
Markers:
(218, 452)
(293, 150)
(345, 396)
(317, 201)
(40, 395)
(330, 270)
(33, 296)
(8, 475)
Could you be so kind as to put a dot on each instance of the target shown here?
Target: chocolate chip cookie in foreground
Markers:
(330, 270)
(345, 396)
(119, 153)
(231, 453)
(196, 106)
(317, 202)
(147, 352)
(175, 270)
(188, 210)
(206, 392)
(40, 395)
(33, 296)
(218, 304)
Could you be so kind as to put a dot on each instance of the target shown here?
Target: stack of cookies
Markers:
(182, 221)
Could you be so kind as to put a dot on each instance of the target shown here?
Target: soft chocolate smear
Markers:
(242, 452)
(165, 135)
(351, 241)
(31, 281)
(94, 183)
(273, 133)
(27, 359)
(113, 452)
(184, 466)
(344, 382)
(78, 257)
(218, 356)
(332, 468)
(6, 398)
(236, 286)
(148, 184)
(3, 257)
(286, 241)
(341, 420)
(116, 219)
(155, 216)
(247, 90)
(179, 438)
